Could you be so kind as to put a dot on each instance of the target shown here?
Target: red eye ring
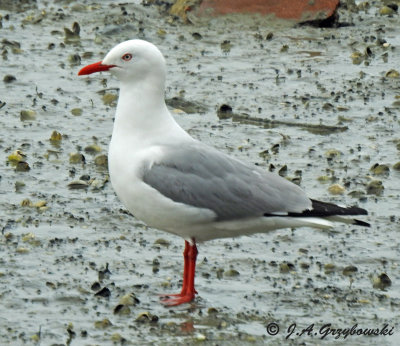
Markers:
(127, 57)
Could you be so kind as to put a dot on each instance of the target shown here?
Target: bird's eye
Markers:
(127, 57)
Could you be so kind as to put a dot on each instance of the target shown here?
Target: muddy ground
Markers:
(77, 269)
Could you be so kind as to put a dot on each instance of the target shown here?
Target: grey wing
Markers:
(203, 177)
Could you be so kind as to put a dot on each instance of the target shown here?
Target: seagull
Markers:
(180, 185)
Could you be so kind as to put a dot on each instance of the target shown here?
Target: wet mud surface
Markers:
(77, 269)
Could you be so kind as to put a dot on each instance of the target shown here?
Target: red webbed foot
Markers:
(188, 291)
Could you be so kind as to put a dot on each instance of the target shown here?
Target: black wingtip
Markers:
(361, 223)
(330, 210)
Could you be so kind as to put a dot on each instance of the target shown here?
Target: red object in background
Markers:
(299, 10)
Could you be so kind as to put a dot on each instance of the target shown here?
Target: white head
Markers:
(131, 62)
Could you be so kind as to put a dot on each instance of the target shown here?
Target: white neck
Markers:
(142, 113)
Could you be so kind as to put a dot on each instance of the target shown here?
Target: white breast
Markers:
(143, 201)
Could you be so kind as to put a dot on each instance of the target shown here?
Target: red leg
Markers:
(185, 273)
(189, 269)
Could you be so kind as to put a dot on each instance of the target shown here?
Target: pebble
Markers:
(224, 112)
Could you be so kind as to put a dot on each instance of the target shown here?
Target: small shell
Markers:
(380, 169)
(162, 242)
(39, 204)
(35, 338)
(101, 160)
(55, 136)
(76, 158)
(103, 324)
(382, 281)
(28, 237)
(76, 111)
(349, 270)
(8, 78)
(357, 57)
(109, 99)
(392, 74)
(27, 115)
(78, 184)
(22, 166)
(22, 250)
(375, 187)
(92, 149)
(121, 309)
(129, 299)
(324, 179)
(26, 203)
(146, 317)
(226, 46)
(200, 337)
(386, 11)
(231, 273)
(336, 189)
(212, 311)
(286, 267)
(332, 153)
(329, 268)
(118, 338)
(104, 292)
(16, 156)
